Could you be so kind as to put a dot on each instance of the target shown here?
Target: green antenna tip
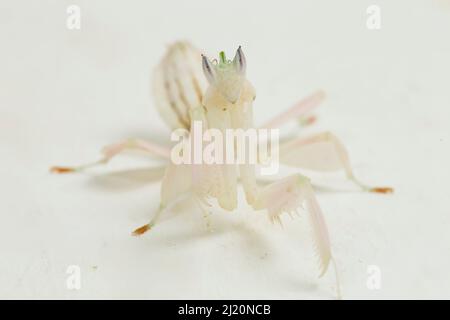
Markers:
(222, 57)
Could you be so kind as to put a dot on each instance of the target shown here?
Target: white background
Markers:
(64, 94)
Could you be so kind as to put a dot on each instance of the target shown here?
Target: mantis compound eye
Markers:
(208, 70)
(239, 62)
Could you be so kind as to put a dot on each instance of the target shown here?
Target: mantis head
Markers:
(226, 76)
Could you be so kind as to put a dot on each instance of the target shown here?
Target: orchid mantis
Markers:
(189, 87)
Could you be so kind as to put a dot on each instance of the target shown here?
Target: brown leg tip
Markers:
(382, 190)
(61, 170)
(141, 230)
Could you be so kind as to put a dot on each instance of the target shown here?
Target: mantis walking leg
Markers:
(112, 150)
(322, 152)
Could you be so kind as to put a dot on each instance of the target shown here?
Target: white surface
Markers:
(64, 94)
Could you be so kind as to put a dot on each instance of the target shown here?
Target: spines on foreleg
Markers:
(290, 194)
